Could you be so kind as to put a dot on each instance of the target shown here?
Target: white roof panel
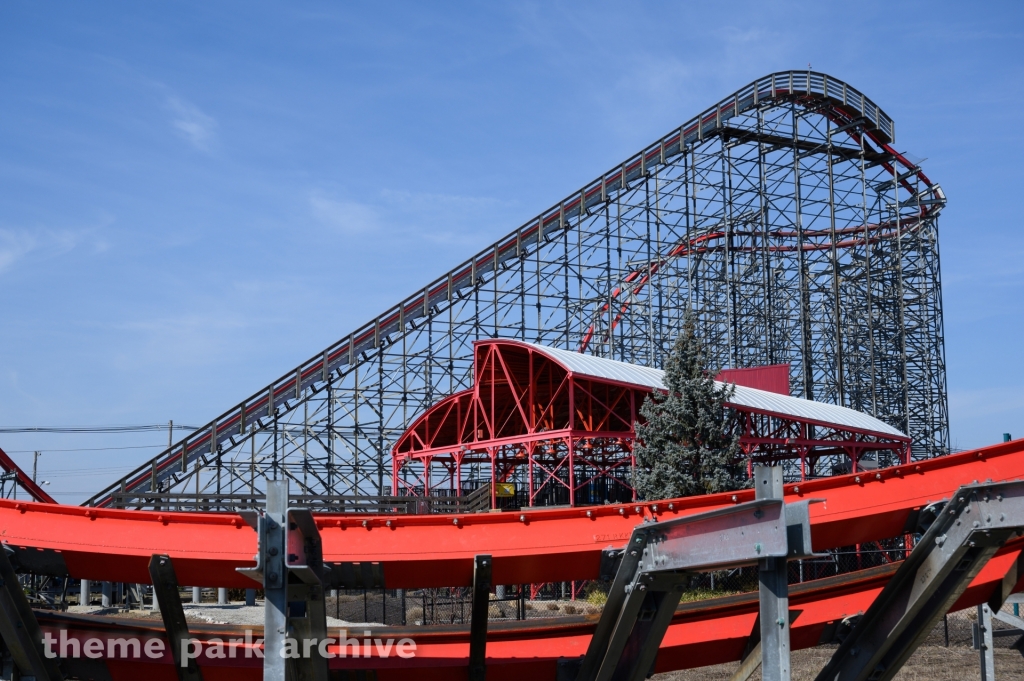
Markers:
(763, 400)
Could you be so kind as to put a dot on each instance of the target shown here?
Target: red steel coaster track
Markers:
(437, 550)
(708, 632)
(553, 545)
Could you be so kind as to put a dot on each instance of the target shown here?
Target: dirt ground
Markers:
(929, 663)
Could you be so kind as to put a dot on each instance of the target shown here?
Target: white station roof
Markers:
(633, 374)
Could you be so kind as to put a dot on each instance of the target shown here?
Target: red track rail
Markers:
(708, 632)
(437, 550)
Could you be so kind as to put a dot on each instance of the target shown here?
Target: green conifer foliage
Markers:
(686, 447)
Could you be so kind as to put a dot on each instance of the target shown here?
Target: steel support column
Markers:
(656, 567)
(966, 533)
(289, 564)
(773, 589)
(984, 642)
(270, 572)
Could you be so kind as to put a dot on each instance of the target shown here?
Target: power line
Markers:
(92, 429)
(83, 449)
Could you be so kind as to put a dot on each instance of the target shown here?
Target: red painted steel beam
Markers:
(474, 424)
(27, 483)
(530, 546)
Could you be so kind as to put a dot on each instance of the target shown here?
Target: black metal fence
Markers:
(423, 606)
(439, 502)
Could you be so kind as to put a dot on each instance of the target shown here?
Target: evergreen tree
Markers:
(685, 447)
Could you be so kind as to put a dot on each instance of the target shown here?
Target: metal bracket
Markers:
(656, 566)
(165, 583)
(304, 567)
(968, 531)
(20, 630)
(610, 559)
(290, 566)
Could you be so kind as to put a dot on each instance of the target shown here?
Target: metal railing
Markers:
(228, 503)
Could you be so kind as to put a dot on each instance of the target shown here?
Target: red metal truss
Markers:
(524, 409)
(568, 429)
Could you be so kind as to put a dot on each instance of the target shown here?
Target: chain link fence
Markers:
(959, 630)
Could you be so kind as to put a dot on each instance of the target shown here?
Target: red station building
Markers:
(550, 427)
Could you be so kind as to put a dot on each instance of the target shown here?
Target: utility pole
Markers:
(170, 434)
(35, 465)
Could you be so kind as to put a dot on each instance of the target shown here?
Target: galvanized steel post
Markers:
(272, 547)
(773, 590)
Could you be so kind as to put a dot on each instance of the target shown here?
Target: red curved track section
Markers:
(703, 633)
(437, 550)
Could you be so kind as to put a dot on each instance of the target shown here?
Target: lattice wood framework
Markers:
(533, 423)
(782, 215)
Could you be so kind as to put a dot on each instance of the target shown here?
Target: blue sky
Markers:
(195, 197)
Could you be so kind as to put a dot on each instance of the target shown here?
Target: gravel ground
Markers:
(929, 663)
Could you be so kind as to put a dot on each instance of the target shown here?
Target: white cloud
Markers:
(13, 247)
(346, 216)
(411, 215)
(17, 244)
(448, 203)
(194, 126)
